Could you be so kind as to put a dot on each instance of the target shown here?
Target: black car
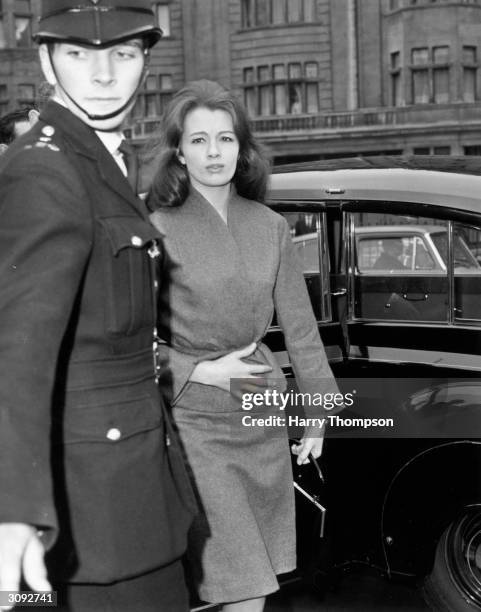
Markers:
(390, 249)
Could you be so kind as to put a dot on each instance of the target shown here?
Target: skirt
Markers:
(245, 533)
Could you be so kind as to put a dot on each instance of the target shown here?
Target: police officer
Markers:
(90, 469)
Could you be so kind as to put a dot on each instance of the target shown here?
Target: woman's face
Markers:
(209, 147)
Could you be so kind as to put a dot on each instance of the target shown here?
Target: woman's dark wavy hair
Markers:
(170, 185)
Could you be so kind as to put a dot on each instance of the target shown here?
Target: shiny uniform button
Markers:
(48, 130)
(114, 434)
(136, 241)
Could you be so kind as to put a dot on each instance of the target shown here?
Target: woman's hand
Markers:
(218, 372)
(308, 446)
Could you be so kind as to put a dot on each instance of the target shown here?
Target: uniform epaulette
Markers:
(45, 140)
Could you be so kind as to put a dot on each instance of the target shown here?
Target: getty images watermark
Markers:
(362, 407)
(283, 400)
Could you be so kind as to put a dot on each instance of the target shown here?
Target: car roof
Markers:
(453, 182)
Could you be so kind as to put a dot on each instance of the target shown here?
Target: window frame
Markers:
(251, 13)
(156, 6)
(450, 274)
(430, 67)
(254, 86)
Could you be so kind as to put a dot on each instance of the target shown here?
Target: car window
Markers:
(399, 272)
(467, 272)
(308, 232)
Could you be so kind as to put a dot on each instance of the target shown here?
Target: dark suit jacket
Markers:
(82, 431)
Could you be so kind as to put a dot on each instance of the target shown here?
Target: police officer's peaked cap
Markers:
(99, 23)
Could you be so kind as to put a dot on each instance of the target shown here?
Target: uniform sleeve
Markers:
(45, 240)
(296, 319)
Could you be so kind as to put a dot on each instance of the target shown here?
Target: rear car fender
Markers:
(424, 497)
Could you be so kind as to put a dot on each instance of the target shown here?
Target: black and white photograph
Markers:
(240, 305)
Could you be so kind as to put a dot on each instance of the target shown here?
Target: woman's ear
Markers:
(180, 157)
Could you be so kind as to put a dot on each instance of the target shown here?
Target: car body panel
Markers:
(392, 324)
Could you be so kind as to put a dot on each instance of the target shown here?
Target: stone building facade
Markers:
(321, 78)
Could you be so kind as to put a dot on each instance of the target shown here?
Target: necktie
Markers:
(131, 162)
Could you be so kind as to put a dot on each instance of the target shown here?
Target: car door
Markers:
(426, 310)
(316, 234)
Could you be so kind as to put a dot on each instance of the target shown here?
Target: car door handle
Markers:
(339, 292)
(416, 297)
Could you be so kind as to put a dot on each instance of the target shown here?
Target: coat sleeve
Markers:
(45, 240)
(178, 368)
(296, 319)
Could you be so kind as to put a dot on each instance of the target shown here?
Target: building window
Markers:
(23, 23)
(422, 151)
(157, 92)
(470, 74)
(312, 87)
(294, 11)
(420, 75)
(278, 12)
(472, 150)
(280, 94)
(420, 56)
(3, 98)
(23, 31)
(430, 75)
(162, 15)
(3, 42)
(261, 13)
(443, 150)
(282, 89)
(441, 74)
(25, 94)
(396, 91)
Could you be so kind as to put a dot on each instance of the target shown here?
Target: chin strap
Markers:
(120, 110)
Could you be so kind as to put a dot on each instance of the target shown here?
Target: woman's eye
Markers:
(227, 139)
(197, 140)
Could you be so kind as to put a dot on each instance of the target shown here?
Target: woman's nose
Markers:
(213, 150)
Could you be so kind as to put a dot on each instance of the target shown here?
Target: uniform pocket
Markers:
(111, 423)
(128, 289)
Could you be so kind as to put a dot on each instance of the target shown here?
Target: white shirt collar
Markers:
(111, 141)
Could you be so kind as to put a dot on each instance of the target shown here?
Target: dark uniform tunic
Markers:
(86, 452)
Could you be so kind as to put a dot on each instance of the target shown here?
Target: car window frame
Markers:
(450, 215)
(283, 207)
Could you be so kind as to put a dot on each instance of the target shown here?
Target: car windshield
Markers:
(463, 258)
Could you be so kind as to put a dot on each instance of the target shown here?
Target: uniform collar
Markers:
(86, 142)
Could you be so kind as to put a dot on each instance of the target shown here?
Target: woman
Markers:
(229, 262)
